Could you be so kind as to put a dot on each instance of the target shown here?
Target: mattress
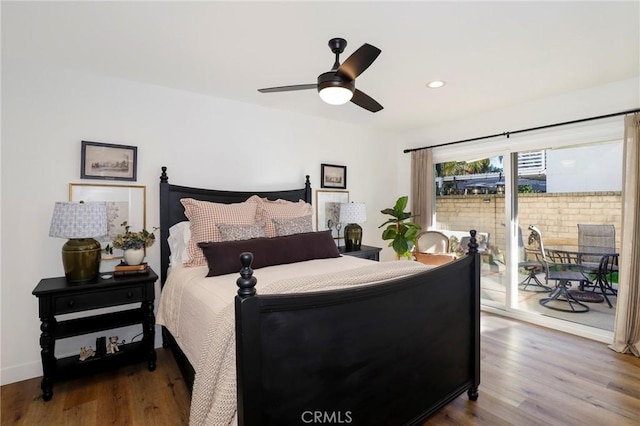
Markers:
(190, 301)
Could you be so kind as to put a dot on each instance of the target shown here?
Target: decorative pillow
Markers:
(179, 236)
(224, 257)
(240, 232)
(282, 209)
(204, 216)
(297, 225)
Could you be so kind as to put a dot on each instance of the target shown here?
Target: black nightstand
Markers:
(56, 296)
(365, 252)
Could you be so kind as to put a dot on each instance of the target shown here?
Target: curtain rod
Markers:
(507, 134)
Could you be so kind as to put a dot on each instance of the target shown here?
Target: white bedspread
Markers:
(209, 343)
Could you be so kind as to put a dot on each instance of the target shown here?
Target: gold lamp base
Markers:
(81, 259)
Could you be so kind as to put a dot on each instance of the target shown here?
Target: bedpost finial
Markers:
(473, 243)
(163, 177)
(247, 282)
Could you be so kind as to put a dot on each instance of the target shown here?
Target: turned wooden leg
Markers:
(47, 353)
(149, 334)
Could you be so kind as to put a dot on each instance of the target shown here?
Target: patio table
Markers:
(572, 258)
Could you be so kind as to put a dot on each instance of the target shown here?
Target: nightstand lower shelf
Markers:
(71, 366)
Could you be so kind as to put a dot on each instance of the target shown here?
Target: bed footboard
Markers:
(391, 353)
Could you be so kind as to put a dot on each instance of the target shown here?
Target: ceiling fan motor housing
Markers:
(331, 79)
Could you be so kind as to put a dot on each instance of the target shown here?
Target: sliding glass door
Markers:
(551, 190)
(582, 190)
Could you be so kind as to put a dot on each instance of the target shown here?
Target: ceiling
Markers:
(490, 54)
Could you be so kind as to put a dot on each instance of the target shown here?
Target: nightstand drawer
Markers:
(97, 299)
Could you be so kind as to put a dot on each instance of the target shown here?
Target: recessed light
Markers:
(435, 84)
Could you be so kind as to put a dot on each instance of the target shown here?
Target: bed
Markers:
(391, 351)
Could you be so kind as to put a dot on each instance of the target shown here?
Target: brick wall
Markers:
(556, 214)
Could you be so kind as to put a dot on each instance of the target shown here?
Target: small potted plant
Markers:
(400, 230)
(133, 244)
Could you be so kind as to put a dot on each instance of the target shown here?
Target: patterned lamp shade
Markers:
(79, 220)
(353, 213)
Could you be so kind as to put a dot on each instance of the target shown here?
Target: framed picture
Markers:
(124, 204)
(333, 176)
(108, 161)
(328, 211)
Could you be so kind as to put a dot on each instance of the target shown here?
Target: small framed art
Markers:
(108, 161)
(333, 176)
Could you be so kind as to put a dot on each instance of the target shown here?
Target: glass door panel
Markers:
(558, 190)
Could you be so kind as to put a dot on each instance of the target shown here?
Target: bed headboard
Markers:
(172, 211)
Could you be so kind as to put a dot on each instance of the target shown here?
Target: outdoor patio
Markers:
(493, 288)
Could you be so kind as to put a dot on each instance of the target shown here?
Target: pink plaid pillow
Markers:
(280, 209)
(203, 218)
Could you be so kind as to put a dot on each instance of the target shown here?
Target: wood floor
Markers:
(530, 376)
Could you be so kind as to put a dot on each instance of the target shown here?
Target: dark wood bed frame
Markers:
(390, 353)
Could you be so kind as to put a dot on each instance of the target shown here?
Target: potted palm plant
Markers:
(399, 229)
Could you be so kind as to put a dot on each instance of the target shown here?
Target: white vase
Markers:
(133, 256)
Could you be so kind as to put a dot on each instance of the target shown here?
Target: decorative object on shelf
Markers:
(80, 223)
(328, 210)
(124, 204)
(352, 214)
(112, 346)
(333, 176)
(133, 256)
(108, 161)
(399, 230)
(134, 244)
(86, 352)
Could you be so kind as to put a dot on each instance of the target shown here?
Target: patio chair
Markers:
(432, 248)
(604, 277)
(529, 263)
(595, 239)
(561, 267)
(600, 240)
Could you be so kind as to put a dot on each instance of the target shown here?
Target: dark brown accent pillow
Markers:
(224, 257)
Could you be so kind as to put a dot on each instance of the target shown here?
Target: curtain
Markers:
(626, 333)
(422, 196)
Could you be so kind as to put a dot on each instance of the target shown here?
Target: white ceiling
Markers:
(491, 54)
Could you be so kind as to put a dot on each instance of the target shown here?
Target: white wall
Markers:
(204, 141)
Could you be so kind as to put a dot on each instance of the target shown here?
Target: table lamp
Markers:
(80, 223)
(352, 214)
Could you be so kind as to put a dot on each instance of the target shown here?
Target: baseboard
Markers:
(18, 373)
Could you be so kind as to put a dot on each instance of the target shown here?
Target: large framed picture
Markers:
(333, 176)
(124, 204)
(328, 211)
(108, 161)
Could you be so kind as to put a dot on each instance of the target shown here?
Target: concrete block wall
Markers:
(557, 215)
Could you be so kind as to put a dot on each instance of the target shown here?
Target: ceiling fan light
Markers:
(336, 95)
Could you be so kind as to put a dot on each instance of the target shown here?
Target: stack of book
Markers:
(124, 269)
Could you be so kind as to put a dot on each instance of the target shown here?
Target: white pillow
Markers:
(179, 236)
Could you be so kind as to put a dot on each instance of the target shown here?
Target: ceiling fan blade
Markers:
(288, 88)
(365, 101)
(359, 61)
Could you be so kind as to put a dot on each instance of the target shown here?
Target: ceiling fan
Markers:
(338, 86)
